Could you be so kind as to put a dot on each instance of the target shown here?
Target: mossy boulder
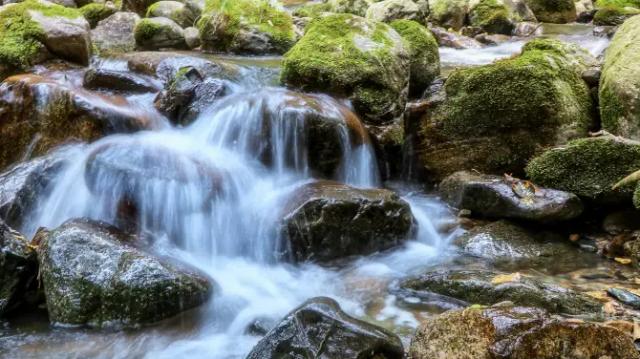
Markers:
(246, 27)
(494, 118)
(620, 82)
(589, 167)
(424, 53)
(94, 275)
(327, 221)
(554, 11)
(488, 288)
(18, 269)
(492, 17)
(114, 35)
(613, 16)
(355, 58)
(311, 10)
(95, 12)
(516, 333)
(159, 33)
(180, 13)
(33, 30)
(449, 13)
(618, 3)
(390, 10)
(356, 7)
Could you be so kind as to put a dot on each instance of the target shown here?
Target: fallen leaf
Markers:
(506, 278)
(622, 260)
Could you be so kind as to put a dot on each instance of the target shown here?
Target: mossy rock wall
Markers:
(496, 117)
(620, 82)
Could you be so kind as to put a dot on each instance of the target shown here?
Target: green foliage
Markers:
(618, 3)
(312, 10)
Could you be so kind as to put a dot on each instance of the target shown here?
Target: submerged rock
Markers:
(488, 288)
(320, 329)
(114, 35)
(508, 197)
(496, 117)
(325, 221)
(93, 275)
(246, 27)
(18, 269)
(625, 297)
(516, 333)
(589, 167)
(620, 82)
(349, 56)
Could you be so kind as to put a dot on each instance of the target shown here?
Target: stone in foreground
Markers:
(94, 276)
(320, 329)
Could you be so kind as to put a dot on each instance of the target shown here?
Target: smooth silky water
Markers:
(207, 200)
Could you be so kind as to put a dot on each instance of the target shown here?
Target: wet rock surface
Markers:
(18, 269)
(508, 197)
(114, 34)
(325, 221)
(103, 79)
(319, 328)
(93, 275)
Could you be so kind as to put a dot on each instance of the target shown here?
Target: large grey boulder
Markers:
(66, 37)
(114, 34)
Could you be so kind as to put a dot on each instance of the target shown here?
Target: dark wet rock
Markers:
(516, 333)
(167, 65)
(349, 56)
(553, 11)
(325, 221)
(114, 35)
(57, 114)
(103, 79)
(508, 197)
(506, 242)
(93, 275)
(589, 168)
(625, 297)
(18, 269)
(137, 6)
(494, 39)
(23, 184)
(488, 288)
(320, 329)
(489, 122)
(188, 95)
(621, 222)
(159, 33)
(450, 39)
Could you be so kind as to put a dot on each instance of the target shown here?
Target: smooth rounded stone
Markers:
(68, 38)
(166, 65)
(58, 114)
(246, 27)
(158, 33)
(349, 56)
(516, 333)
(450, 39)
(592, 76)
(114, 35)
(174, 10)
(489, 287)
(104, 79)
(553, 11)
(192, 37)
(18, 270)
(424, 52)
(492, 17)
(620, 82)
(93, 275)
(326, 221)
(496, 117)
(508, 197)
(389, 10)
(625, 297)
(188, 95)
(589, 168)
(23, 184)
(320, 329)
(505, 243)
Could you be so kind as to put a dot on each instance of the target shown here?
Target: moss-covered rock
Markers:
(182, 14)
(620, 82)
(516, 333)
(93, 275)
(349, 56)
(245, 26)
(589, 168)
(390, 10)
(356, 7)
(33, 29)
(449, 13)
(492, 17)
(636, 197)
(311, 10)
(424, 53)
(554, 11)
(96, 12)
(618, 3)
(613, 16)
(495, 117)
(158, 33)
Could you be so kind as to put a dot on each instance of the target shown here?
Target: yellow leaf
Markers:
(623, 260)
(506, 278)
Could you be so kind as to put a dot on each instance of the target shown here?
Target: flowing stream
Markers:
(210, 193)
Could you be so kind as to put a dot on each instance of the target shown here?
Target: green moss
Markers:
(146, 29)
(356, 7)
(423, 49)
(21, 36)
(449, 13)
(312, 10)
(636, 197)
(492, 17)
(553, 11)
(613, 16)
(588, 167)
(618, 3)
(258, 14)
(95, 12)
